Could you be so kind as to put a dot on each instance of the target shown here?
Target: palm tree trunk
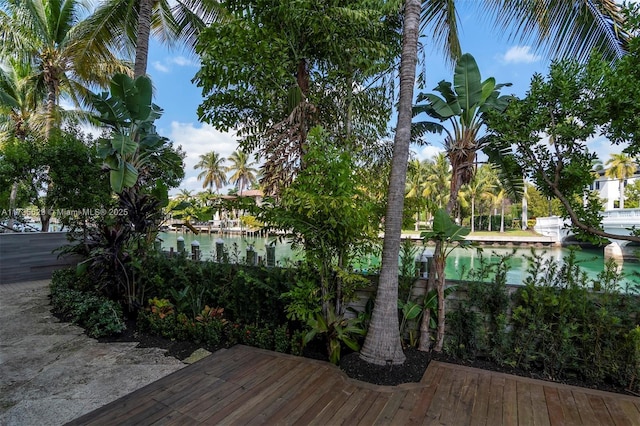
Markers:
(473, 214)
(502, 217)
(382, 344)
(12, 204)
(142, 41)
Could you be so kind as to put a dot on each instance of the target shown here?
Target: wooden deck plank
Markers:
(301, 381)
(618, 415)
(301, 400)
(539, 405)
(569, 407)
(336, 401)
(427, 393)
(391, 407)
(254, 386)
(631, 410)
(600, 410)
(254, 405)
(369, 397)
(440, 401)
(350, 406)
(481, 400)
(583, 412)
(496, 396)
(311, 400)
(455, 393)
(510, 402)
(251, 386)
(374, 409)
(403, 413)
(525, 408)
(554, 406)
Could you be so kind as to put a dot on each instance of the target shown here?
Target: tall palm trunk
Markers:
(473, 214)
(382, 345)
(144, 29)
(13, 195)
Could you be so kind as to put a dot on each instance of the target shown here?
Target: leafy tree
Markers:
(620, 89)
(51, 172)
(546, 134)
(19, 100)
(213, 172)
(324, 210)
(128, 24)
(279, 68)
(243, 174)
(621, 167)
(632, 194)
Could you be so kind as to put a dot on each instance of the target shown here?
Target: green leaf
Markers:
(466, 81)
(123, 144)
(411, 310)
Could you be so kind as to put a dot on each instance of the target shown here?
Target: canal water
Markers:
(459, 262)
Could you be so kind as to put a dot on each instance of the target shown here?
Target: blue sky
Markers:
(509, 61)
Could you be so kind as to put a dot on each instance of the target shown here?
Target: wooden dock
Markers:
(244, 385)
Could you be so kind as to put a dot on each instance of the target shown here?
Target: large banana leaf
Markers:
(468, 86)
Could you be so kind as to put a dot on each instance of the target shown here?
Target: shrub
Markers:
(98, 315)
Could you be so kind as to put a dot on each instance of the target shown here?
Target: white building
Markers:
(609, 189)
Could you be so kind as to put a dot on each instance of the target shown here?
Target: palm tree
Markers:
(416, 180)
(478, 188)
(52, 37)
(438, 180)
(185, 195)
(243, 174)
(130, 23)
(382, 344)
(213, 172)
(566, 31)
(621, 167)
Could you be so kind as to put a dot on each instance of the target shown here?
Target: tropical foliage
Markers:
(271, 73)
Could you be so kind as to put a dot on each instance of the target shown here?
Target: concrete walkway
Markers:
(51, 373)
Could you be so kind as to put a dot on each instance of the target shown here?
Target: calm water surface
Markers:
(459, 262)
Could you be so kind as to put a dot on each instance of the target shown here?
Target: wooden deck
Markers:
(244, 385)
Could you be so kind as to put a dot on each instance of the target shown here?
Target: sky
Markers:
(509, 61)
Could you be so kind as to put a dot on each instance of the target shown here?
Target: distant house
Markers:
(608, 189)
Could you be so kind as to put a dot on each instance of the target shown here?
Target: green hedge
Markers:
(98, 315)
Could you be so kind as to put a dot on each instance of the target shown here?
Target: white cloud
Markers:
(182, 61)
(520, 54)
(196, 141)
(428, 152)
(160, 67)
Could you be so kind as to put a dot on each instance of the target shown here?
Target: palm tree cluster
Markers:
(214, 173)
(427, 190)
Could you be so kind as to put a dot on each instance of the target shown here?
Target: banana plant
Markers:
(446, 234)
(463, 105)
(129, 112)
